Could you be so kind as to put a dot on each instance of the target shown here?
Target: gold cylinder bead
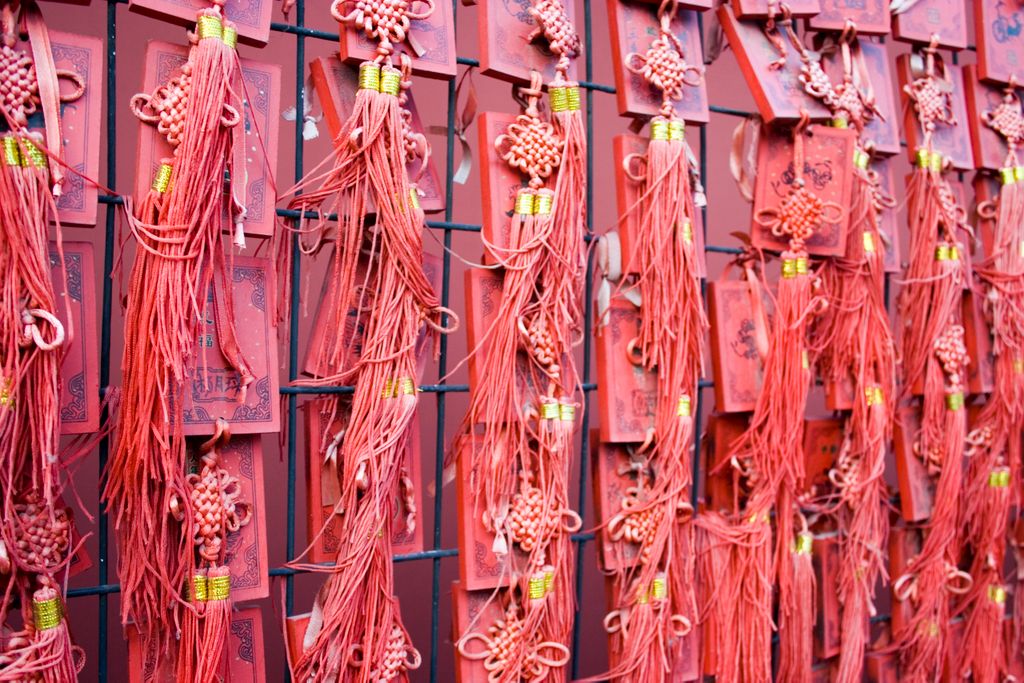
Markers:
(390, 81)
(566, 412)
(955, 401)
(210, 27)
(549, 411)
(414, 198)
(536, 587)
(162, 179)
(47, 614)
(659, 129)
(573, 95)
(11, 151)
(558, 98)
(803, 544)
(218, 587)
(869, 243)
(369, 76)
(997, 594)
(1008, 175)
(524, 204)
(922, 157)
(676, 129)
(230, 37)
(542, 203)
(685, 407)
(659, 591)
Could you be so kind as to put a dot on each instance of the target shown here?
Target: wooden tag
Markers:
(251, 16)
(998, 25)
(212, 389)
(80, 369)
(336, 84)
(499, 184)
(734, 357)
(978, 339)
(262, 112)
(926, 18)
(430, 44)
(954, 142)
(612, 479)
(719, 485)
(760, 9)
(871, 17)
(989, 147)
(81, 123)
(883, 131)
(628, 394)
(881, 667)
(244, 653)
(323, 489)
(778, 92)
(246, 554)
(504, 53)
(889, 224)
(828, 628)
(633, 26)
(828, 173)
(904, 544)
(916, 488)
(473, 611)
(823, 438)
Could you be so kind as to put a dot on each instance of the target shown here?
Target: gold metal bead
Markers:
(874, 395)
(861, 159)
(566, 412)
(47, 614)
(869, 243)
(942, 252)
(659, 591)
(369, 76)
(788, 268)
(676, 129)
(408, 386)
(922, 158)
(687, 230)
(839, 122)
(542, 203)
(558, 98)
(414, 198)
(390, 81)
(524, 204)
(218, 587)
(659, 129)
(549, 411)
(573, 95)
(1008, 175)
(684, 407)
(537, 587)
(199, 588)
(11, 151)
(230, 37)
(162, 179)
(997, 594)
(803, 544)
(390, 389)
(210, 27)
(935, 161)
(31, 155)
(955, 401)
(1018, 172)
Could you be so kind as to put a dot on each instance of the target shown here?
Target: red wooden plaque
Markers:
(80, 370)
(946, 19)
(430, 45)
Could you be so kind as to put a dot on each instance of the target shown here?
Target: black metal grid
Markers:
(447, 226)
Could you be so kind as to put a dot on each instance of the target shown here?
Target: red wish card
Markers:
(723, 431)
(627, 197)
(323, 488)
(244, 653)
(213, 389)
(735, 359)
(251, 16)
(871, 17)
(828, 628)
(977, 338)
(473, 611)
(633, 26)
(628, 393)
(430, 43)
(882, 666)
(330, 337)
(883, 131)
(615, 474)
(335, 85)
(80, 120)
(262, 94)
(916, 489)
(954, 142)
(888, 223)
(924, 19)
(499, 183)
(998, 25)
(81, 561)
(827, 172)
(986, 189)
(904, 544)
(761, 9)
(823, 437)
(779, 94)
(479, 567)
(246, 554)
(989, 147)
(80, 371)
(505, 53)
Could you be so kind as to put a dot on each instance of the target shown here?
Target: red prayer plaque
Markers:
(734, 358)
(479, 567)
(888, 223)
(499, 183)
(504, 27)
(335, 85)
(761, 9)
(916, 489)
(80, 370)
(823, 437)
(697, 5)
(472, 611)
(998, 25)
(81, 561)
(828, 628)
(626, 400)
(828, 173)
(612, 479)
(953, 141)
(262, 83)
(986, 188)
(430, 43)
(927, 18)
(871, 17)
(212, 389)
(323, 490)
(251, 16)
(244, 653)
(778, 92)
(977, 338)
(989, 147)
(627, 196)
(246, 554)
(633, 26)
(882, 667)
(723, 430)
(80, 121)
(883, 131)
(904, 544)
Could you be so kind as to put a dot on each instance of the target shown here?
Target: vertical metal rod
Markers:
(103, 532)
(442, 370)
(584, 452)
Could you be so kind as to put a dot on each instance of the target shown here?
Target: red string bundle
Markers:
(854, 345)
(35, 544)
(357, 632)
(994, 445)
(934, 360)
(180, 255)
